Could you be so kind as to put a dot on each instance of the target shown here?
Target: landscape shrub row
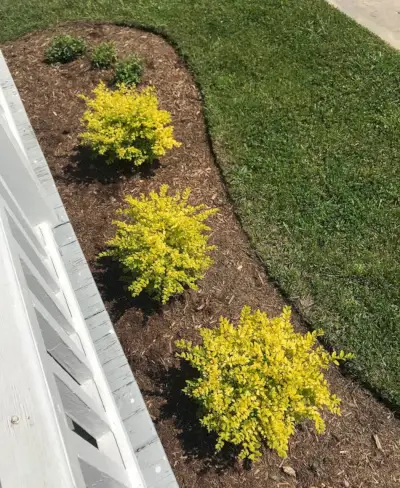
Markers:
(257, 379)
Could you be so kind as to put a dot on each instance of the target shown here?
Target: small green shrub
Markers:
(127, 124)
(161, 244)
(104, 55)
(129, 71)
(64, 48)
(257, 380)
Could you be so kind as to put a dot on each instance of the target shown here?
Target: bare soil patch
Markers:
(347, 455)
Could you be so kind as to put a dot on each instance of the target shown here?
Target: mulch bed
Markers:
(347, 455)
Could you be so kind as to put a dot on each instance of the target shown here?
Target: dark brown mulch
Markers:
(347, 455)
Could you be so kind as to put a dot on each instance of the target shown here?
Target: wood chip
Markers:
(289, 471)
(378, 442)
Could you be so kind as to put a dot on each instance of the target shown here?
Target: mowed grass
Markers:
(303, 107)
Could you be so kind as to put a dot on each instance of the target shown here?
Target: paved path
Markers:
(380, 16)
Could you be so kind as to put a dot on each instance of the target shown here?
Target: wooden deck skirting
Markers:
(143, 437)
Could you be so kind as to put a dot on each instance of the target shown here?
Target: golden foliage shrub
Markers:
(258, 380)
(162, 243)
(126, 124)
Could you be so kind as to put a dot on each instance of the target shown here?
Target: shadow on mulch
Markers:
(87, 167)
(195, 440)
(114, 291)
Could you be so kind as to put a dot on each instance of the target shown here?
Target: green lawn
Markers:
(303, 107)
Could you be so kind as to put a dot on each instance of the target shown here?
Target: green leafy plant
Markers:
(64, 48)
(129, 71)
(127, 124)
(258, 380)
(162, 243)
(104, 55)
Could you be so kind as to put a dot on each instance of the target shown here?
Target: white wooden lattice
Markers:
(59, 426)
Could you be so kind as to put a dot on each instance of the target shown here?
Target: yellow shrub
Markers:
(162, 243)
(257, 380)
(127, 124)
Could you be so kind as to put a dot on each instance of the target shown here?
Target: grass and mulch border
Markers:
(348, 453)
(302, 105)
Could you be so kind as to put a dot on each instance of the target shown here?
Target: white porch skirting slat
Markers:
(78, 405)
(97, 469)
(47, 298)
(62, 348)
(42, 265)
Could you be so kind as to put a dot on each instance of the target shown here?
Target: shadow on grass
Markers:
(114, 290)
(87, 167)
(195, 440)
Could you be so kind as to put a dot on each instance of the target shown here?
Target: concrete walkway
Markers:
(380, 16)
